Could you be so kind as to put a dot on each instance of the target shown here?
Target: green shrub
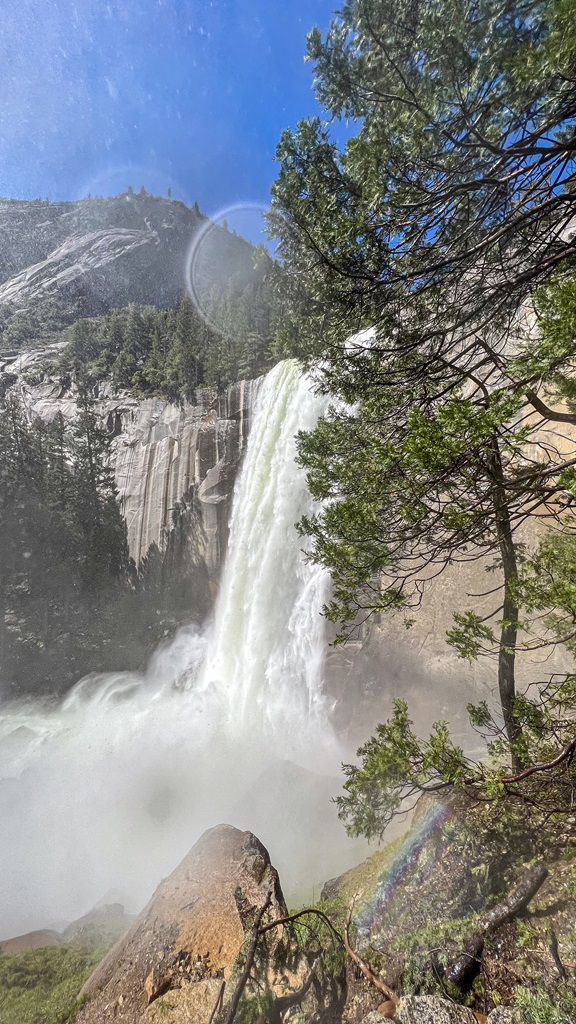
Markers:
(41, 986)
(540, 1008)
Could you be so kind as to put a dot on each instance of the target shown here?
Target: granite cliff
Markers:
(161, 452)
(104, 253)
(64, 260)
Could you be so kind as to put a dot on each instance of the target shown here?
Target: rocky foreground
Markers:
(184, 945)
(217, 943)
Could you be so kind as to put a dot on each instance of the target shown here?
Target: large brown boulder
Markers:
(184, 943)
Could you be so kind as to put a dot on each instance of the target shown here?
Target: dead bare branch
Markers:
(361, 964)
(244, 977)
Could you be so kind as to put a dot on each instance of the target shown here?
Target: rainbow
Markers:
(424, 825)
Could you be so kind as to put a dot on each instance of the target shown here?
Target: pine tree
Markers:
(184, 366)
(135, 347)
(105, 552)
(434, 226)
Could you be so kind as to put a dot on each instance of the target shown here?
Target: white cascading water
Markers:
(265, 653)
(107, 792)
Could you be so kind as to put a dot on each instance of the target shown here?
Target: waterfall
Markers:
(265, 652)
(111, 788)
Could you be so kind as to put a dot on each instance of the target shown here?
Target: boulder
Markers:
(504, 1015)
(31, 940)
(424, 1010)
(185, 942)
(431, 1010)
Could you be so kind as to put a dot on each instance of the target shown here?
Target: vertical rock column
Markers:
(166, 451)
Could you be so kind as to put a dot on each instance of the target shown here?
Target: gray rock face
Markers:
(164, 450)
(161, 452)
(504, 1015)
(107, 252)
(431, 1010)
(76, 258)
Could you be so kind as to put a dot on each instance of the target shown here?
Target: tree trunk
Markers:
(2, 621)
(507, 666)
(509, 631)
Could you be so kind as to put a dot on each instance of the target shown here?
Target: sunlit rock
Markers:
(106, 252)
(186, 940)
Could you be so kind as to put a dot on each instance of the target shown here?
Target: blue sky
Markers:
(186, 94)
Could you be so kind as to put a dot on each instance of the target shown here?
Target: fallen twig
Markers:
(361, 964)
(556, 955)
(218, 1003)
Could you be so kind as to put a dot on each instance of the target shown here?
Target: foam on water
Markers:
(110, 789)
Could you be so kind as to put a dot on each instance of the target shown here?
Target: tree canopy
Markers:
(455, 191)
(171, 353)
(427, 258)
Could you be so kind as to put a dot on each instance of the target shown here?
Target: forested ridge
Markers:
(152, 344)
(171, 353)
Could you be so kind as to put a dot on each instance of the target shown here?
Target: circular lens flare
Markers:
(221, 260)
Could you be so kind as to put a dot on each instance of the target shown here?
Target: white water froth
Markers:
(109, 790)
